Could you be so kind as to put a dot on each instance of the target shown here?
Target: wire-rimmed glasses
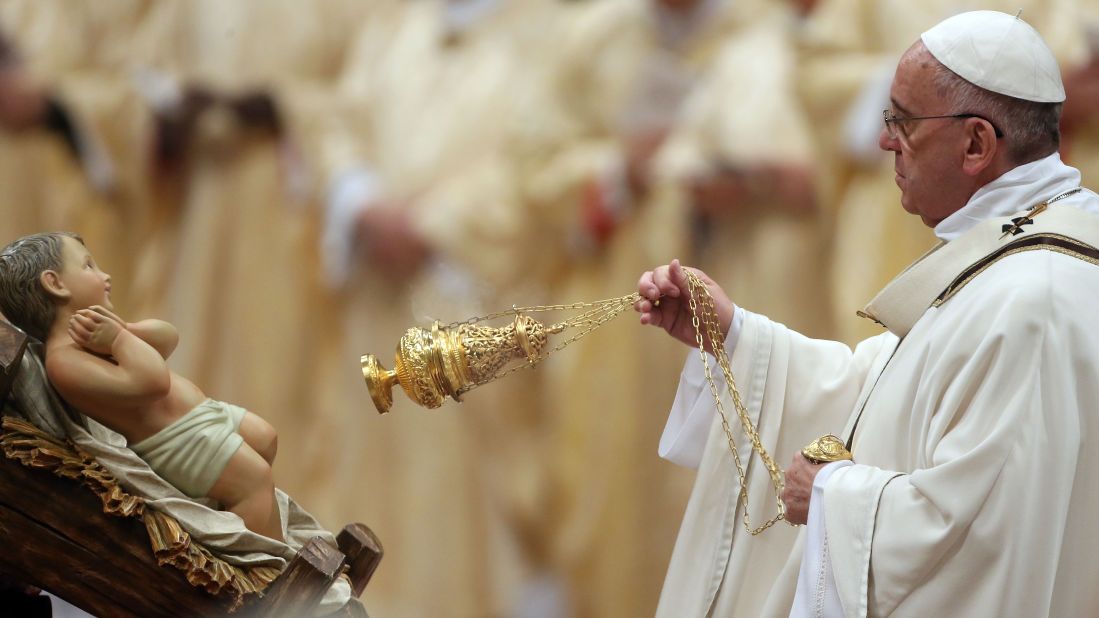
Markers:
(892, 122)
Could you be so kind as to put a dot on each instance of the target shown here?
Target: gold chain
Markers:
(704, 318)
(595, 315)
(707, 319)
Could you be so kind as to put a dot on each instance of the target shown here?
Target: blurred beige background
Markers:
(293, 184)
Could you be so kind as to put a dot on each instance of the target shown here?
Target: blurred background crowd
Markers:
(293, 184)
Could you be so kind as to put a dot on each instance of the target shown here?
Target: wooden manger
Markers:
(67, 526)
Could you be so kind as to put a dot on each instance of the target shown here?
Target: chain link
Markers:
(704, 317)
(629, 299)
(704, 320)
(597, 314)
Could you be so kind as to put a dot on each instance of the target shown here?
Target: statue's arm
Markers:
(161, 335)
(138, 376)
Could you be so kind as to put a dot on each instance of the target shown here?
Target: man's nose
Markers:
(887, 141)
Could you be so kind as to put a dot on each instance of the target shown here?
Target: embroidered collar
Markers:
(1017, 190)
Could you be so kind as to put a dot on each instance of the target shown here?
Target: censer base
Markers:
(379, 381)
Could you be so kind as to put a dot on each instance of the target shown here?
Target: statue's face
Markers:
(82, 277)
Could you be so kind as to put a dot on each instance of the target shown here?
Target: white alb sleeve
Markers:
(685, 433)
(816, 592)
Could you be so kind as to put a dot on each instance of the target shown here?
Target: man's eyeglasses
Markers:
(892, 121)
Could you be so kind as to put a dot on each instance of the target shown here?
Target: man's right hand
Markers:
(668, 285)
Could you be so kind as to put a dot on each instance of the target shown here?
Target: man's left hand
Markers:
(799, 488)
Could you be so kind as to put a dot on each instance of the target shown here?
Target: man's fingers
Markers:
(667, 280)
(660, 278)
(664, 284)
(646, 287)
(678, 277)
(651, 318)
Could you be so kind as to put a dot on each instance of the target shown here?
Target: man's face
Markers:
(927, 153)
(81, 275)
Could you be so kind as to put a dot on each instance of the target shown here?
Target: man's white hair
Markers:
(1031, 130)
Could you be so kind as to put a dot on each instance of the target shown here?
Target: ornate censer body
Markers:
(451, 360)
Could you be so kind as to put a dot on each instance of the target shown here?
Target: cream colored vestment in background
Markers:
(627, 72)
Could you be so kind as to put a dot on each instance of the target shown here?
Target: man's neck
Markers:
(1016, 190)
(991, 173)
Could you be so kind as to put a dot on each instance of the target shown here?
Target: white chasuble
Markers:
(971, 492)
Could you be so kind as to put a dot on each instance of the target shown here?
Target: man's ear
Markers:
(54, 286)
(981, 146)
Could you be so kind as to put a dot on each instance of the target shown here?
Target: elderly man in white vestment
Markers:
(972, 420)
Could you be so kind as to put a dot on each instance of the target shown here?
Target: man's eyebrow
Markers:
(899, 107)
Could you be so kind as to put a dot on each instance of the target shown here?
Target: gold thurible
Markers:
(448, 361)
(432, 364)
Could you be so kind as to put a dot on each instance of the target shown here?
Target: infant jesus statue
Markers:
(115, 372)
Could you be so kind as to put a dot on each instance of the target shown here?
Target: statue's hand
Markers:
(94, 331)
(107, 313)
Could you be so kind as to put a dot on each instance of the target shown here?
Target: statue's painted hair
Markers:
(23, 300)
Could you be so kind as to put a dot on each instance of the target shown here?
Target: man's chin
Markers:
(907, 206)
